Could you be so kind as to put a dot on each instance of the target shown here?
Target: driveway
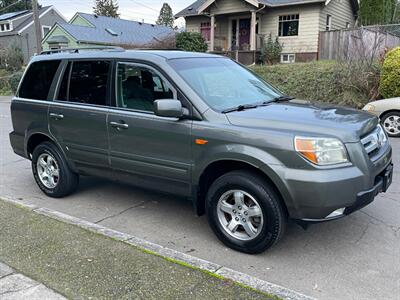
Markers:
(357, 257)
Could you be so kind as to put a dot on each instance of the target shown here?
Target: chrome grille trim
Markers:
(373, 141)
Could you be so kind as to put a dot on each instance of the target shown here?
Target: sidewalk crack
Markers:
(4, 276)
(119, 213)
(19, 290)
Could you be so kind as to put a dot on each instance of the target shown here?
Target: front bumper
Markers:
(319, 195)
(382, 183)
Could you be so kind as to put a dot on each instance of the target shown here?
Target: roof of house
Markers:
(193, 9)
(114, 31)
(26, 13)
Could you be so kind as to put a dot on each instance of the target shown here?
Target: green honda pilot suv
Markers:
(199, 126)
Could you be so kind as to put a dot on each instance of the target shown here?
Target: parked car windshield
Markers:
(222, 83)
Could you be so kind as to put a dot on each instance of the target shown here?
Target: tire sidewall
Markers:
(265, 197)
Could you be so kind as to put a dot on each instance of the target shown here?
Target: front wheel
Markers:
(391, 123)
(51, 171)
(245, 212)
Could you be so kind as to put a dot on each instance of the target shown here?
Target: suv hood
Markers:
(307, 117)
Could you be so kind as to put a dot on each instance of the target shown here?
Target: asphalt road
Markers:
(357, 257)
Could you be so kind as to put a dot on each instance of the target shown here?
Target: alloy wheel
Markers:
(392, 125)
(240, 215)
(48, 170)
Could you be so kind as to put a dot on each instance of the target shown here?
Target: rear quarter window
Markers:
(38, 79)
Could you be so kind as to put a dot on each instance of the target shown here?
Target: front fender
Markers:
(250, 155)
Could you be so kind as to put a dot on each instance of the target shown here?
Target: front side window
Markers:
(138, 87)
(87, 82)
(38, 79)
(289, 25)
(222, 83)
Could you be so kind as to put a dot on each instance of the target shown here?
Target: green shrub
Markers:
(191, 41)
(390, 76)
(324, 81)
(11, 58)
(14, 81)
(271, 51)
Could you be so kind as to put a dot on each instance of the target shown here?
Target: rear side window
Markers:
(38, 79)
(88, 82)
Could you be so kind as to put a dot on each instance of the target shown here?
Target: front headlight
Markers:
(321, 151)
(369, 107)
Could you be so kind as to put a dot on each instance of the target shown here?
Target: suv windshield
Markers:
(222, 83)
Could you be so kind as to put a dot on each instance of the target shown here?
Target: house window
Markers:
(5, 27)
(288, 58)
(205, 30)
(289, 25)
(45, 30)
(328, 23)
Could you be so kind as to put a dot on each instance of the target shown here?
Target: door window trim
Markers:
(115, 96)
(79, 104)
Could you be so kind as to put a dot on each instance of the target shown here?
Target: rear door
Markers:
(152, 151)
(78, 115)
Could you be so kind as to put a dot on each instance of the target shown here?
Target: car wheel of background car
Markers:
(51, 171)
(245, 212)
(391, 123)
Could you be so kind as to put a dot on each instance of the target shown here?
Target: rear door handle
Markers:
(56, 116)
(119, 125)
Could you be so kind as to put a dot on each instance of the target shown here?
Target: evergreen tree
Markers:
(107, 8)
(7, 6)
(166, 17)
(377, 12)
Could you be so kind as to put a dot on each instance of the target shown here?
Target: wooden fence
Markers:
(364, 42)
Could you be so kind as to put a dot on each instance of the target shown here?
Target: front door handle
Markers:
(119, 125)
(56, 116)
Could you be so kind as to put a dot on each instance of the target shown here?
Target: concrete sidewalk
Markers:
(17, 286)
(81, 264)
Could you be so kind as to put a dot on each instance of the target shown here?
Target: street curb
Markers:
(167, 253)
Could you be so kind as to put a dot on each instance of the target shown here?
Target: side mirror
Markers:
(168, 108)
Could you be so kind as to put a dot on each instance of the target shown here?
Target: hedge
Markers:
(324, 81)
(390, 77)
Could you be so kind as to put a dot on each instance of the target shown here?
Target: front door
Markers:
(78, 116)
(145, 149)
(244, 34)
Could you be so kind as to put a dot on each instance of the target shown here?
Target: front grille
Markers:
(374, 141)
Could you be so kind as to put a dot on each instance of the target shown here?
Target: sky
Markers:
(136, 10)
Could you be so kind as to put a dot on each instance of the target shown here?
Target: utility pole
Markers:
(38, 31)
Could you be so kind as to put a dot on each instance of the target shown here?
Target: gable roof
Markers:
(28, 19)
(193, 9)
(113, 31)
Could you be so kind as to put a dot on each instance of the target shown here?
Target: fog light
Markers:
(336, 213)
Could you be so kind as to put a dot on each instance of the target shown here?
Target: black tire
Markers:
(67, 180)
(273, 213)
(387, 116)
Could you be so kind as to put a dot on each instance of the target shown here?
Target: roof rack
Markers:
(77, 50)
(158, 49)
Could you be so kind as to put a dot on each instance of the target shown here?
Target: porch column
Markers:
(253, 30)
(212, 32)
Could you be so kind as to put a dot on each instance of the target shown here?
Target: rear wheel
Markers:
(51, 171)
(391, 123)
(245, 212)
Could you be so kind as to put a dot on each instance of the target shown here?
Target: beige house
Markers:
(230, 25)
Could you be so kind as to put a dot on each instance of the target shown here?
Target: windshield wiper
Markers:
(283, 98)
(239, 108)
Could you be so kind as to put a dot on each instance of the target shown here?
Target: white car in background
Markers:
(388, 110)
